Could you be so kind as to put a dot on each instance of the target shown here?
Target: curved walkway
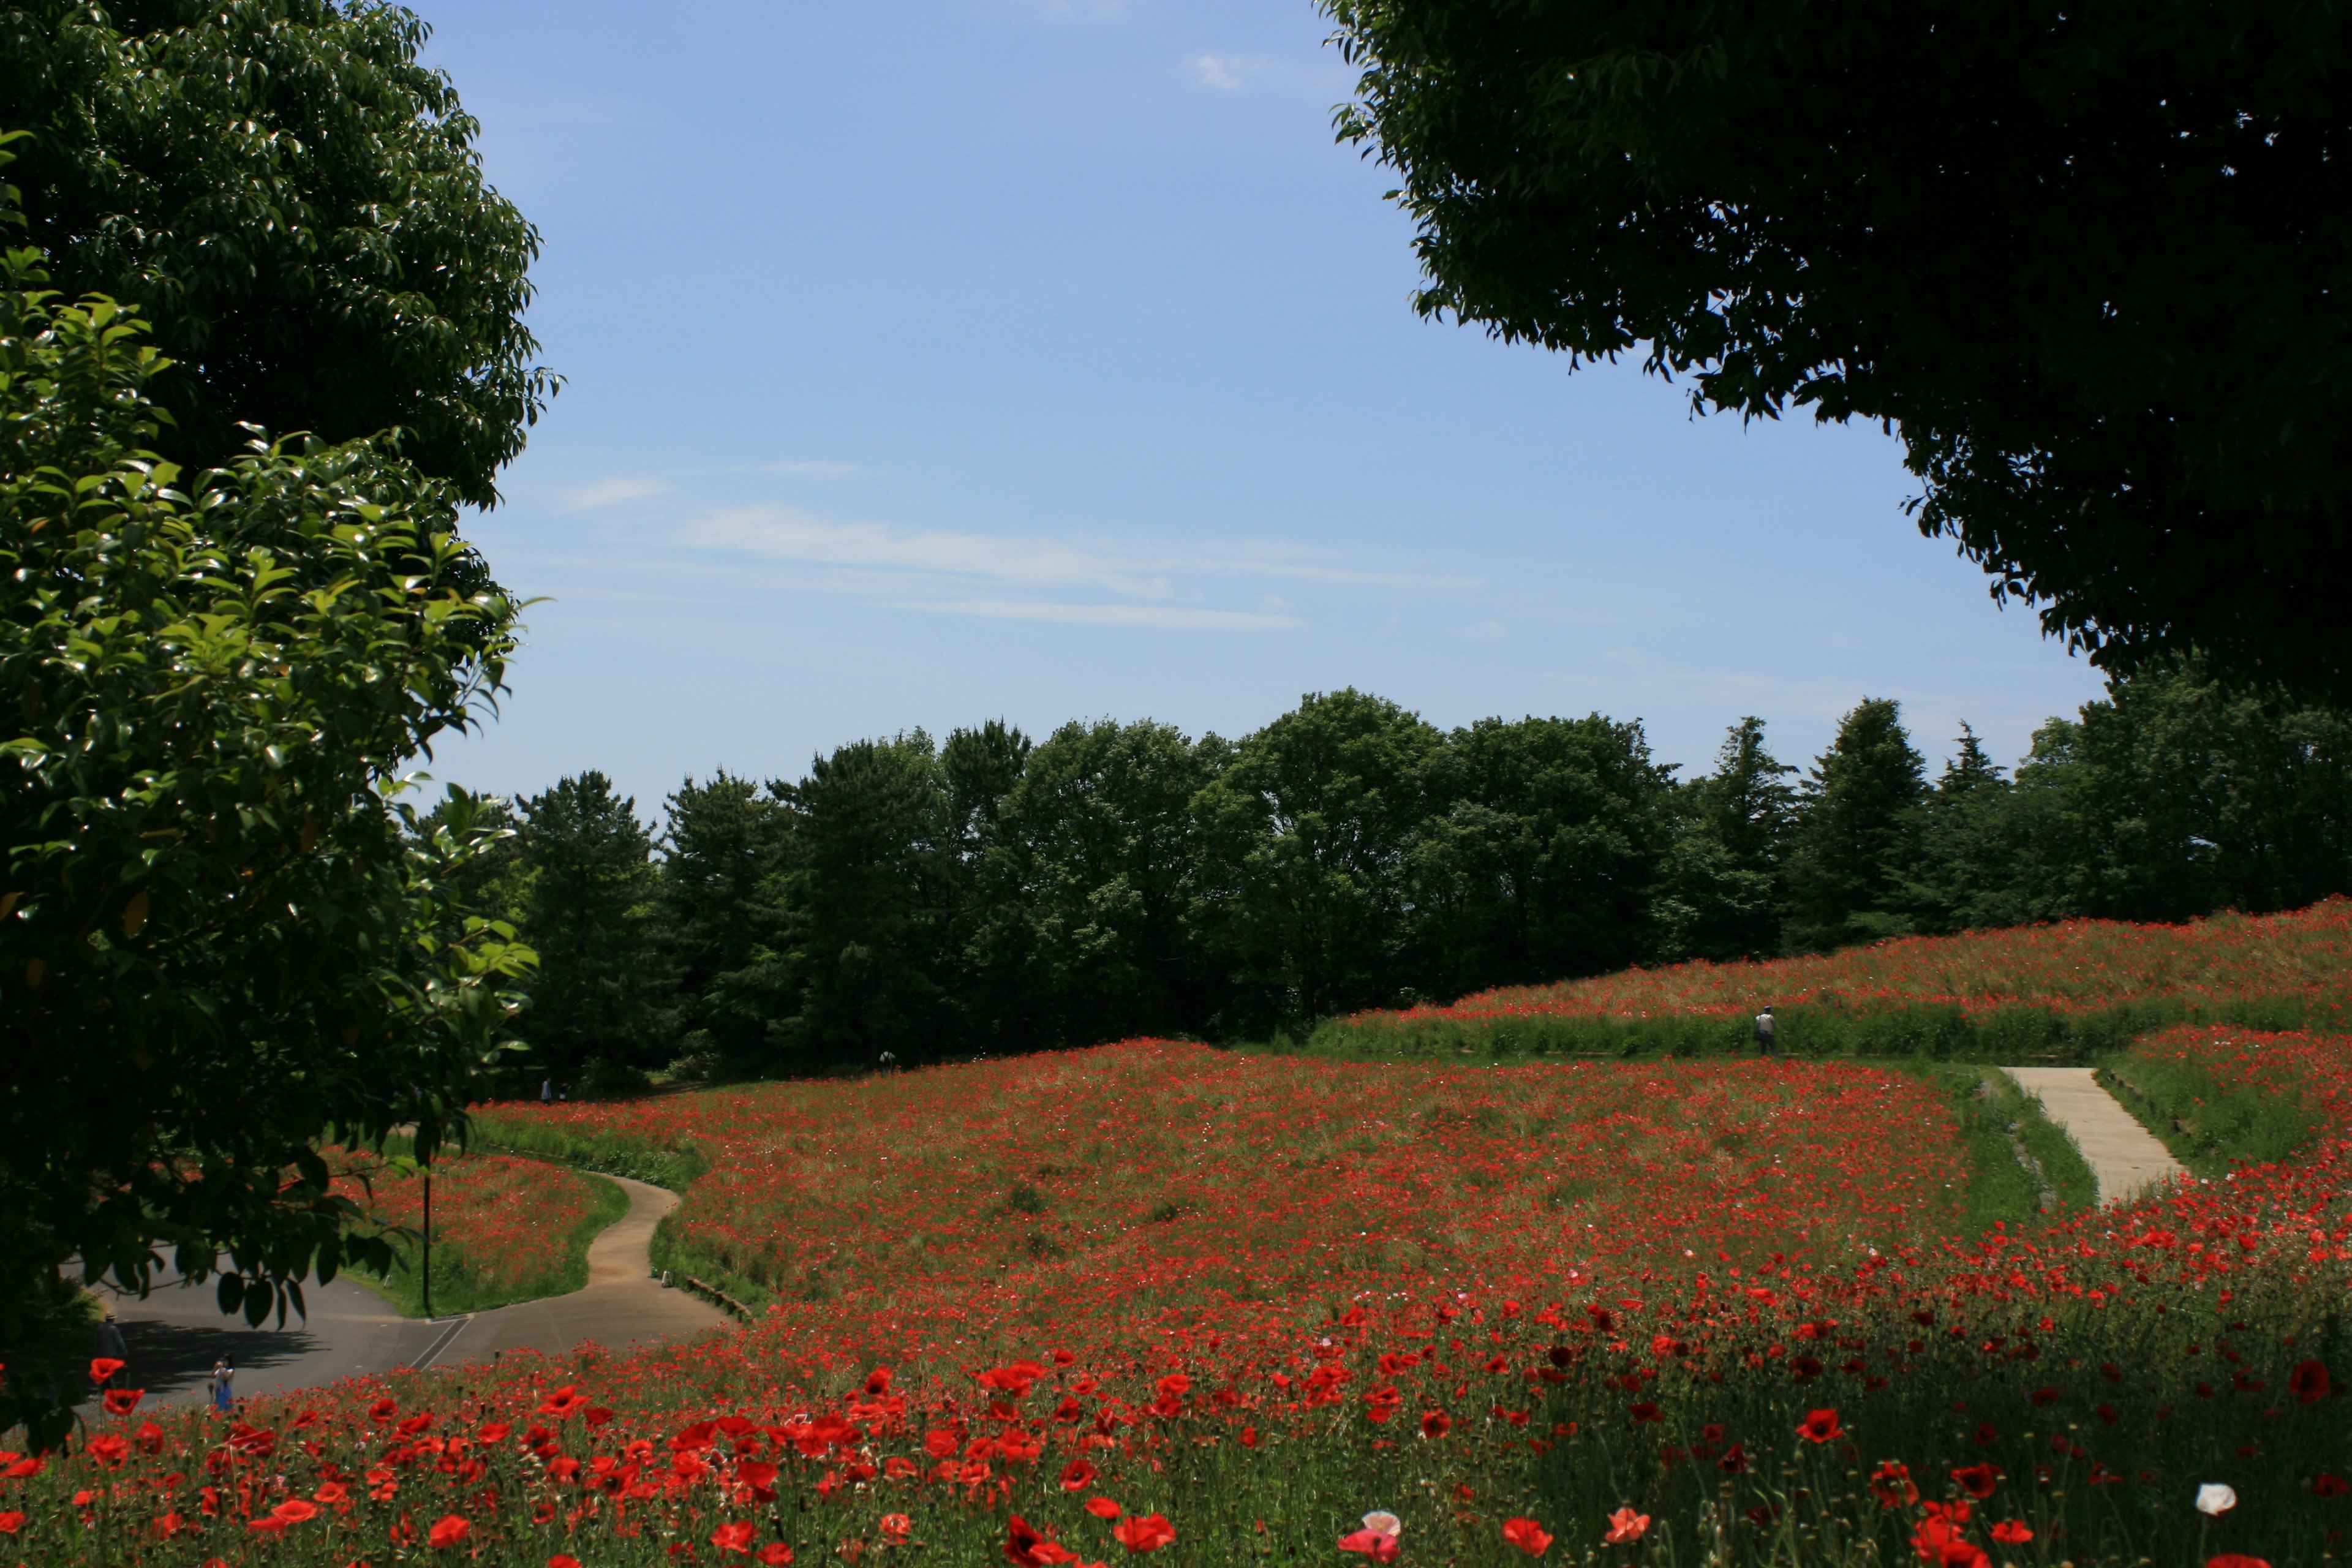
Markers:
(621, 1304)
(2125, 1156)
(177, 1331)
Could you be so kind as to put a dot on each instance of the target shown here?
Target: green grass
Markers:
(2002, 1126)
(2207, 1127)
(2017, 1036)
(674, 1168)
(460, 1284)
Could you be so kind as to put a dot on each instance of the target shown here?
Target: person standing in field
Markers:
(223, 1388)
(1767, 1030)
(109, 1346)
(547, 1092)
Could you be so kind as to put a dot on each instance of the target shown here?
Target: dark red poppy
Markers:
(2309, 1382)
(1821, 1427)
(1026, 1548)
(1977, 1480)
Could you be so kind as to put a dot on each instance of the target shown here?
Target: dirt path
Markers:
(621, 1305)
(2126, 1157)
(177, 1333)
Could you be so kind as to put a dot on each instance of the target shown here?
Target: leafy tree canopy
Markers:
(294, 204)
(221, 935)
(2088, 258)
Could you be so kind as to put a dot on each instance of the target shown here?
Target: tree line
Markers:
(915, 899)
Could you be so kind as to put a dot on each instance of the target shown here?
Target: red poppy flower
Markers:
(2235, 1560)
(2330, 1486)
(295, 1510)
(2309, 1382)
(11, 1522)
(384, 1410)
(736, 1535)
(776, 1554)
(104, 1367)
(1434, 1424)
(1977, 1480)
(563, 1559)
(1892, 1485)
(1371, 1544)
(1148, 1534)
(1026, 1548)
(1103, 1508)
(1645, 1411)
(1076, 1476)
(1527, 1535)
(123, 1401)
(896, 1527)
(1626, 1526)
(2012, 1532)
(149, 1438)
(1821, 1427)
(449, 1531)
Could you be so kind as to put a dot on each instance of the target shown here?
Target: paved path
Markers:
(177, 1331)
(621, 1304)
(2125, 1156)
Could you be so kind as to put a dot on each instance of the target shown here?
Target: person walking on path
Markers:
(109, 1345)
(1768, 1030)
(547, 1092)
(223, 1388)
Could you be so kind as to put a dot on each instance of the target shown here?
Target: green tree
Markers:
(1854, 835)
(294, 202)
(602, 1009)
(1965, 855)
(723, 922)
(1536, 858)
(2085, 259)
(873, 898)
(1087, 886)
(2178, 794)
(1303, 838)
(222, 935)
(1721, 893)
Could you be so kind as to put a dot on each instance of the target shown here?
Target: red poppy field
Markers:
(504, 1229)
(1155, 1301)
(2022, 986)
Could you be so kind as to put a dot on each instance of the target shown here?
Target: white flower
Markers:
(2215, 1499)
(1390, 1524)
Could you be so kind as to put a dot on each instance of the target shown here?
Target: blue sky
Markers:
(936, 362)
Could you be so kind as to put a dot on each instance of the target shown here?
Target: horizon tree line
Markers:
(989, 893)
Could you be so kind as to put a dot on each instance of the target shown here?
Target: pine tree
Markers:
(1854, 832)
(602, 1005)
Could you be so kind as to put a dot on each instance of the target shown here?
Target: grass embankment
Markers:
(504, 1229)
(2067, 993)
(2221, 1098)
(641, 1152)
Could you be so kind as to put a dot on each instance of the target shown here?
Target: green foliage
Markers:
(1720, 894)
(663, 1165)
(2021, 1166)
(1853, 838)
(1303, 837)
(2081, 258)
(2210, 1126)
(1086, 888)
(601, 1009)
(221, 935)
(296, 203)
(723, 918)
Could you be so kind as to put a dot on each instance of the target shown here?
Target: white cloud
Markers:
(1484, 631)
(609, 492)
(1227, 73)
(791, 534)
(1168, 616)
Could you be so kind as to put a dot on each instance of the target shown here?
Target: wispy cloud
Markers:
(1222, 71)
(1227, 73)
(935, 569)
(610, 491)
(791, 534)
(1173, 617)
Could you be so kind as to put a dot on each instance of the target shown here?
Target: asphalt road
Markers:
(177, 1331)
